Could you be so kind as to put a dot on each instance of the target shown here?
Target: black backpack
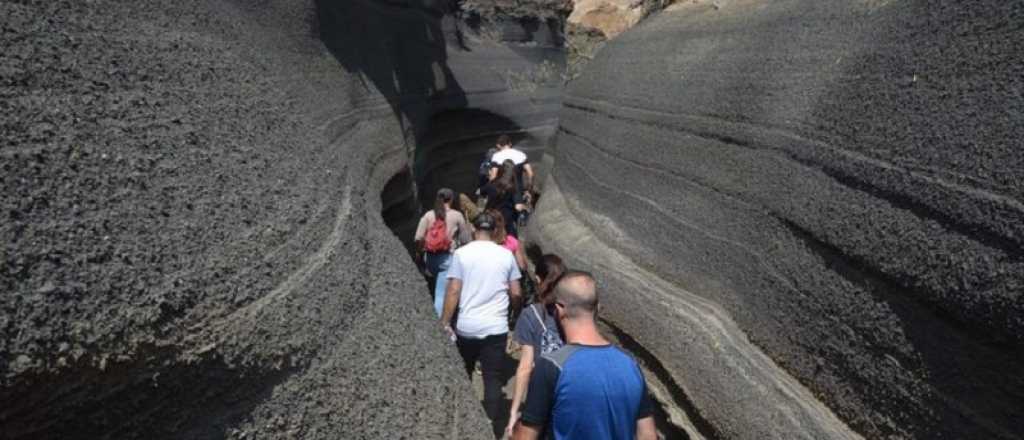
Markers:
(485, 169)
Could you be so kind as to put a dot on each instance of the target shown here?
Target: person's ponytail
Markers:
(439, 207)
(505, 183)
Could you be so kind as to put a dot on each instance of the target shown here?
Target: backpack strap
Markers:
(560, 356)
(539, 318)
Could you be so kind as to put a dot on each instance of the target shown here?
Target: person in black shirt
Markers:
(484, 172)
(505, 151)
(502, 195)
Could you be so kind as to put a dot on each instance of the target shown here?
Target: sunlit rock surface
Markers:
(796, 203)
(611, 17)
(192, 236)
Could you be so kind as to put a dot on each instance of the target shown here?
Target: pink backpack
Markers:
(437, 240)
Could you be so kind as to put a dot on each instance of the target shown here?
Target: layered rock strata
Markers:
(192, 237)
(809, 211)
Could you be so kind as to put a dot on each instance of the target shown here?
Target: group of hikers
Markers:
(576, 384)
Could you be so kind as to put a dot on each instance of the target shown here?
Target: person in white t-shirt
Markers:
(523, 169)
(483, 279)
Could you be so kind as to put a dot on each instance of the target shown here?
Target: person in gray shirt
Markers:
(536, 331)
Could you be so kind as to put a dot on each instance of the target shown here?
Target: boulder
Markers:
(611, 17)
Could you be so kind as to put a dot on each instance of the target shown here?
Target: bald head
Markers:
(577, 293)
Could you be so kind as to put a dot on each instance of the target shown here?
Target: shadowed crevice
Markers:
(158, 396)
(661, 374)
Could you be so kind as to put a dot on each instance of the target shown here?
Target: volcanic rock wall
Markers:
(804, 201)
(481, 70)
(191, 193)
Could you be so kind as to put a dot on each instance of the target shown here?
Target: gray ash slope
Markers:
(192, 238)
(842, 179)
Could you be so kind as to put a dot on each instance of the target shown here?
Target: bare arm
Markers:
(528, 171)
(421, 228)
(451, 300)
(465, 232)
(521, 259)
(515, 294)
(645, 429)
(421, 232)
(522, 378)
(526, 432)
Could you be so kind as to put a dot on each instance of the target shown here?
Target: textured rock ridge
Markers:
(840, 180)
(486, 69)
(192, 237)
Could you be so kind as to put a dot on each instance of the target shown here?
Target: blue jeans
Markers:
(438, 264)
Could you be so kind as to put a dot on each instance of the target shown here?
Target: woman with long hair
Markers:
(506, 180)
(503, 195)
(436, 239)
(536, 330)
(549, 271)
(510, 242)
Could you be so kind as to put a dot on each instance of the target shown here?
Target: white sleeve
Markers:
(455, 269)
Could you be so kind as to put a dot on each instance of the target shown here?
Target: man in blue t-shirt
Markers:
(588, 389)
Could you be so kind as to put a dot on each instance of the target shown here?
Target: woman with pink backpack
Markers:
(436, 239)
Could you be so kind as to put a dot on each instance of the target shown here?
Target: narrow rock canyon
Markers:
(806, 216)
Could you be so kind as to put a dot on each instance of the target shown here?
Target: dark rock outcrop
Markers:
(833, 185)
(191, 193)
